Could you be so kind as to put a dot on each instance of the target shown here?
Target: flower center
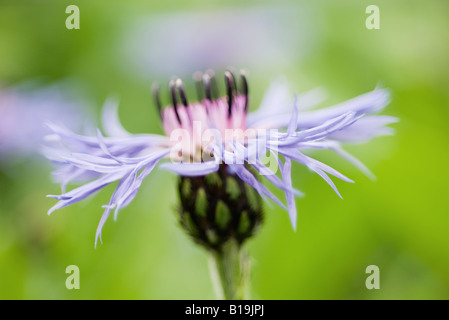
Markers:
(220, 113)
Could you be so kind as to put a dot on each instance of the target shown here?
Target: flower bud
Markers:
(218, 207)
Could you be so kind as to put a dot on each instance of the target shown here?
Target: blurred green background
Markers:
(398, 222)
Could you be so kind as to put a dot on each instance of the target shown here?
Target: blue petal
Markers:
(110, 120)
(316, 166)
(367, 103)
(192, 169)
(290, 197)
(248, 177)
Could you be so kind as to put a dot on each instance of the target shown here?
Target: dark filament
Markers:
(182, 93)
(244, 88)
(231, 71)
(157, 100)
(172, 85)
(183, 96)
(230, 84)
(214, 84)
(207, 87)
(198, 78)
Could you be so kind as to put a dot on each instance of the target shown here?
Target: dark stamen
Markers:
(182, 93)
(244, 88)
(157, 101)
(232, 71)
(207, 87)
(214, 84)
(183, 96)
(198, 78)
(172, 86)
(229, 82)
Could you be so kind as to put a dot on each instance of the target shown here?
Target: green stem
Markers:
(230, 270)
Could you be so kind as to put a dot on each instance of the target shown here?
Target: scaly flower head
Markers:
(219, 150)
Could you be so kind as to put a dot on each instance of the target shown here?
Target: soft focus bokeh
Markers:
(400, 222)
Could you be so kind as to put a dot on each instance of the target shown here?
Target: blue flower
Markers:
(23, 110)
(216, 132)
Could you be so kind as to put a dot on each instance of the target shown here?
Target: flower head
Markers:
(218, 149)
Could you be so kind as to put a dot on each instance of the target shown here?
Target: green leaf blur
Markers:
(399, 222)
